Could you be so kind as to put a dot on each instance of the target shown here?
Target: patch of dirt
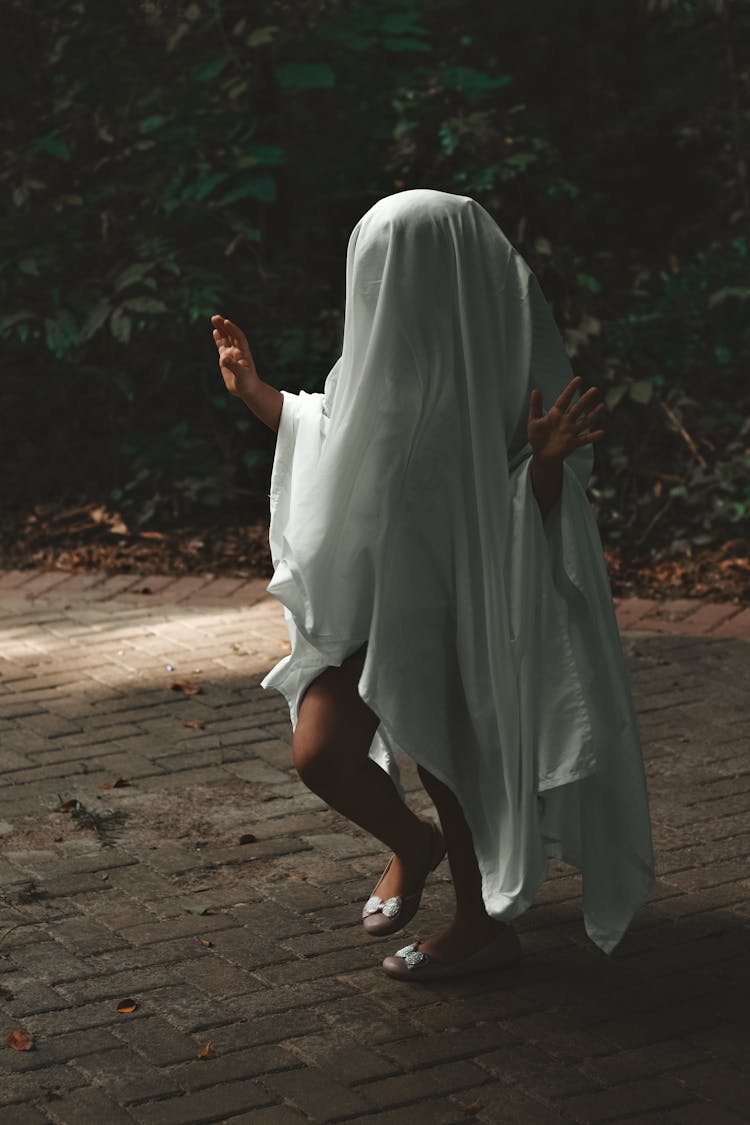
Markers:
(93, 537)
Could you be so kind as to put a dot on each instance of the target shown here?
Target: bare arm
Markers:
(240, 376)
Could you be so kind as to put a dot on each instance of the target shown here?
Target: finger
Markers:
(584, 401)
(581, 421)
(563, 400)
(237, 335)
(595, 436)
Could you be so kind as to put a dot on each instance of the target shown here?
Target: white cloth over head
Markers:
(402, 514)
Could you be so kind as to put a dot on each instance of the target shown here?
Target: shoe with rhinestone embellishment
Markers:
(381, 917)
(411, 964)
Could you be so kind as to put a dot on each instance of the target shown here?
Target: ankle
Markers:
(476, 922)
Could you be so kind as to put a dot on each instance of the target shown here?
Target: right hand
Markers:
(236, 361)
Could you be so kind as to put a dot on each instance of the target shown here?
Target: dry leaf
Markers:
(208, 944)
(297, 874)
(152, 535)
(66, 805)
(248, 838)
(206, 1052)
(127, 1005)
(196, 910)
(116, 784)
(186, 686)
(194, 724)
(473, 1107)
(19, 1041)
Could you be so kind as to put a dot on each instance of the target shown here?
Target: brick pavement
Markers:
(255, 947)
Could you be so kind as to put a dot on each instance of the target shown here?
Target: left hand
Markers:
(556, 434)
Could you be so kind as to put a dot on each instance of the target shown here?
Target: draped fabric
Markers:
(403, 515)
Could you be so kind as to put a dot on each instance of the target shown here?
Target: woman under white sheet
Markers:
(445, 590)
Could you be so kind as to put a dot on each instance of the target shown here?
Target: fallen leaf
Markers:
(118, 783)
(19, 1041)
(186, 686)
(194, 724)
(206, 1052)
(127, 1005)
(197, 910)
(205, 942)
(104, 875)
(248, 838)
(473, 1107)
(297, 874)
(151, 535)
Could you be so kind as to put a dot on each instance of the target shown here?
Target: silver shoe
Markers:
(385, 916)
(410, 963)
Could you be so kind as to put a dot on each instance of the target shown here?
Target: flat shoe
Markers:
(412, 964)
(381, 917)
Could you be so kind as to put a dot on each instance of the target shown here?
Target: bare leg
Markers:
(472, 927)
(335, 728)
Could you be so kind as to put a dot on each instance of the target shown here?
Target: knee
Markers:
(315, 760)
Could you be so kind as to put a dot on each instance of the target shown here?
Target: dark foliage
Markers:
(162, 162)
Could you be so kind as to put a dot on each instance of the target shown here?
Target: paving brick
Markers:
(316, 1093)
(22, 1115)
(349, 1062)
(127, 1077)
(190, 1109)
(271, 1115)
(426, 1082)
(199, 1073)
(499, 1101)
(627, 1099)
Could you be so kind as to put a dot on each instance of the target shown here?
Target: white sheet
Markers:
(402, 513)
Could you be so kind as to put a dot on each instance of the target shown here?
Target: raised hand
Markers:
(235, 358)
(555, 435)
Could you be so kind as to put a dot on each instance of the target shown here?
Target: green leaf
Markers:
(202, 187)
(475, 84)
(406, 45)
(144, 305)
(149, 124)
(14, 318)
(29, 266)
(261, 35)
(641, 391)
(120, 324)
(52, 145)
(204, 72)
(305, 76)
(721, 295)
(262, 188)
(268, 154)
(586, 281)
(132, 274)
(95, 319)
(615, 394)
(61, 333)
(405, 21)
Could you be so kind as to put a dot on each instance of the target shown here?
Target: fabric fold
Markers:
(403, 514)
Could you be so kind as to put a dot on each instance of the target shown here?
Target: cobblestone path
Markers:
(140, 888)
